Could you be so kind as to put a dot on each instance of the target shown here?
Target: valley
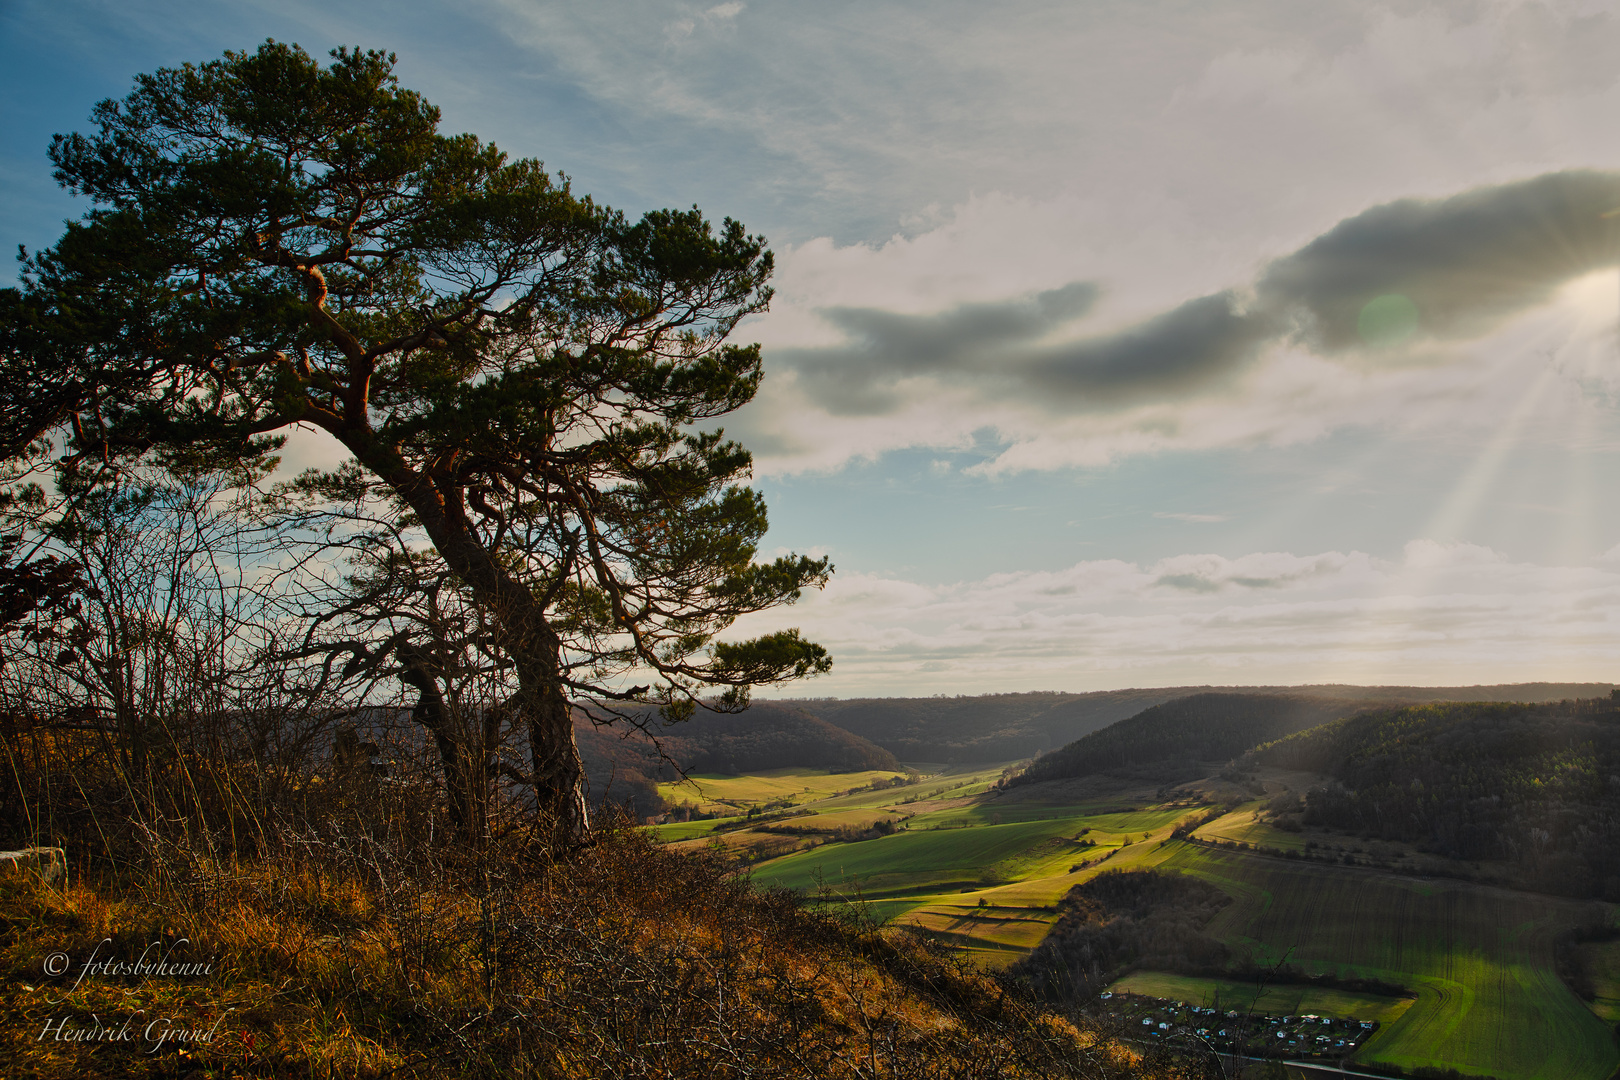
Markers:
(1457, 970)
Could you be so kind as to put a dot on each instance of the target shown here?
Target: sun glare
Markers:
(1595, 300)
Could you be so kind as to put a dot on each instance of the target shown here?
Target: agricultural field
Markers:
(1603, 964)
(985, 880)
(1243, 827)
(1479, 957)
(986, 874)
(816, 804)
(716, 791)
(690, 830)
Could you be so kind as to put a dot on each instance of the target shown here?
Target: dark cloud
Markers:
(1194, 344)
(1449, 268)
(1467, 263)
(973, 340)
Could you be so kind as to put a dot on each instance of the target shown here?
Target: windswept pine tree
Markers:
(515, 370)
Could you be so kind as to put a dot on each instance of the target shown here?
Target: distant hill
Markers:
(987, 728)
(1168, 741)
(623, 765)
(872, 733)
(1536, 784)
(1006, 727)
(769, 736)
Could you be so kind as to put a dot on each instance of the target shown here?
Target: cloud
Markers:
(882, 347)
(1467, 263)
(991, 346)
(1389, 314)
(1170, 354)
(1440, 614)
(1196, 518)
(1212, 573)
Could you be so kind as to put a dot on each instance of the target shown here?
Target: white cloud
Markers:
(1563, 352)
(1444, 614)
(1244, 122)
(1023, 147)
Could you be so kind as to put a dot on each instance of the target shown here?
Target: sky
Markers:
(1114, 344)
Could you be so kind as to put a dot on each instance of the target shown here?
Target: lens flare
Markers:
(1387, 320)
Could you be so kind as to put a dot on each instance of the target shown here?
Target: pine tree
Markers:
(522, 373)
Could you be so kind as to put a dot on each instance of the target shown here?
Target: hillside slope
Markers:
(1170, 740)
(1537, 785)
(986, 728)
(618, 960)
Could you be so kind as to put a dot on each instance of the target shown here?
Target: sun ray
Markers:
(1469, 494)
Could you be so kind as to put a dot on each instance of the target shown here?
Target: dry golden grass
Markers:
(345, 934)
(344, 957)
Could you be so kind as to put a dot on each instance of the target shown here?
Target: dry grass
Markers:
(342, 957)
(346, 933)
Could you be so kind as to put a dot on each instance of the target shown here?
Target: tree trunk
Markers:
(559, 775)
(465, 781)
(536, 651)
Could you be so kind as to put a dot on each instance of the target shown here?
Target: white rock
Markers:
(50, 863)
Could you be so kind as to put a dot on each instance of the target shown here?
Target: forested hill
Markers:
(1170, 739)
(987, 728)
(1535, 784)
(1004, 727)
(769, 736)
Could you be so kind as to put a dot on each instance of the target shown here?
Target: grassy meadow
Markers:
(985, 875)
(717, 791)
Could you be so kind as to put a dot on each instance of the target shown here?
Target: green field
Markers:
(946, 850)
(687, 830)
(1480, 959)
(986, 876)
(794, 785)
(1017, 860)
(954, 783)
(1603, 963)
(1240, 827)
(1279, 1000)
